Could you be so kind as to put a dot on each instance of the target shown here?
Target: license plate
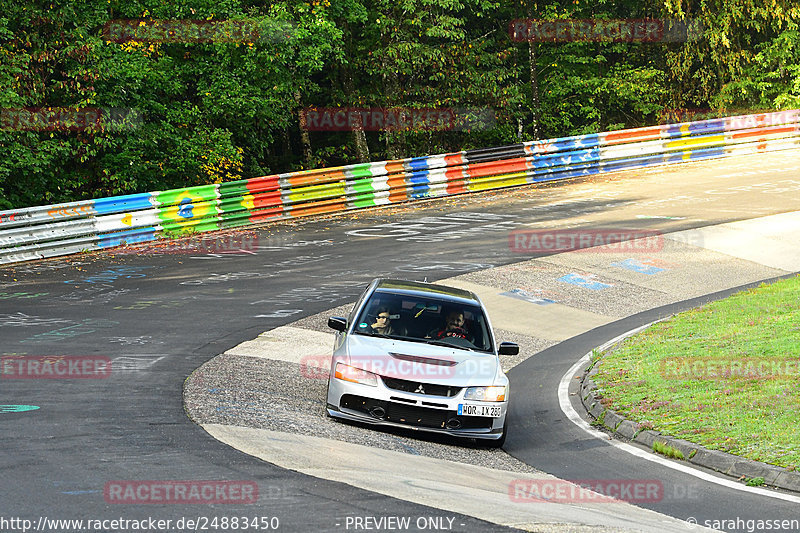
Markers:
(467, 409)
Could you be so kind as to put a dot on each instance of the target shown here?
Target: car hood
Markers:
(422, 362)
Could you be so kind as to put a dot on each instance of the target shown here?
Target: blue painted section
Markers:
(584, 169)
(418, 163)
(632, 162)
(185, 208)
(584, 281)
(716, 125)
(528, 297)
(695, 129)
(638, 266)
(419, 184)
(563, 159)
(703, 153)
(561, 144)
(122, 204)
(108, 240)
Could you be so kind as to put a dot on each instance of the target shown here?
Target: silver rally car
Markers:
(421, 356)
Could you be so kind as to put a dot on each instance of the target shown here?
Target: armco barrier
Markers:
(54, 230)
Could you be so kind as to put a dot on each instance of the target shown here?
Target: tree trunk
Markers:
(359, 137)
(534, 90)
(305, 138)
(395, 140)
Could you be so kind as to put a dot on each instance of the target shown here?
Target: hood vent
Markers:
(425, 360)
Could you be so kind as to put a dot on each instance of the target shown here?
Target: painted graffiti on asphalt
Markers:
(48, 267)
(23, 320)
(135, 362)
(441, 228)
(97, 294)
(89, 325)
(133, 341)
(228, 277)
(113, 274)
(21, 295)
(327, 293)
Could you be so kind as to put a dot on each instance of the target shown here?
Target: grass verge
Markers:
(725, 375)
(667, 450)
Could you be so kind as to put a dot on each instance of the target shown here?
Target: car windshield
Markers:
(424, 319)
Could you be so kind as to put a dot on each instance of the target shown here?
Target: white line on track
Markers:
(567, 409)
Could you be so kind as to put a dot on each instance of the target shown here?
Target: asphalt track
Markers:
(160, 316)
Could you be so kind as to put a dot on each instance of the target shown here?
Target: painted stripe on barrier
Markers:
(505, 180)
(125, 221)
(705, 140)
(417, 164)
(127, 237)
(121, 204)
(630, 135)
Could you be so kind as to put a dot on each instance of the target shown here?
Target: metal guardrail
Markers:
(62, 229)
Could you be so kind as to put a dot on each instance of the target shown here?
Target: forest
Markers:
(112, 97)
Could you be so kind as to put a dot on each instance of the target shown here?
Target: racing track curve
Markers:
(158, 317)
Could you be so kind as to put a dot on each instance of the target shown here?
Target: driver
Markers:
(453, 327)
(382, 324)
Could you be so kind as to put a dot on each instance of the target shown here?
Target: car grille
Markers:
(420, 388)
(413, 415)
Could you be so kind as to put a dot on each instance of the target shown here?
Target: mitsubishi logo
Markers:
(420, 390)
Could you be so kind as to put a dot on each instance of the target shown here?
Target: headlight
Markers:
(486, 394)
(356, 375)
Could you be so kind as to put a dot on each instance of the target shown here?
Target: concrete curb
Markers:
(725, 463)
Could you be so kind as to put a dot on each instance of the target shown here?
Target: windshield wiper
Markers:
(375, 334)
(450, 345)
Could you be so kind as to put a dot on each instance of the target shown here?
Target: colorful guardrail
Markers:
(54, 230)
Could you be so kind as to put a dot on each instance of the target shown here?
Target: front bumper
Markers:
(383, 406)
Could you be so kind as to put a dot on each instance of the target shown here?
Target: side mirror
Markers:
(508, 348)
(338, 323)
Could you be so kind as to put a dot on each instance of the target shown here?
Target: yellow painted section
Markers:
(317, 192)
(491, 182)
(698, 141)
(248, 202)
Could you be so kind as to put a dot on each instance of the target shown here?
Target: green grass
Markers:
(666, 449)
(750, 415)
